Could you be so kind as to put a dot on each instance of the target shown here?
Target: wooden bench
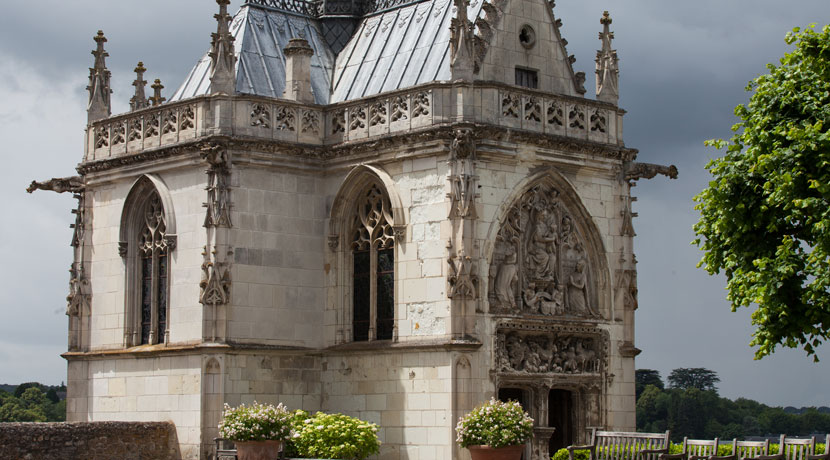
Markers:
(793, 449)
(745, 450)
(694, 449)
(620, 445)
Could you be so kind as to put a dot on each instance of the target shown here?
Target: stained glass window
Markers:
(373, 254)
(153, 249)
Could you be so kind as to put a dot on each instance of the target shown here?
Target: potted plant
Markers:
(334, 436)
(257, 430)
(495, 430)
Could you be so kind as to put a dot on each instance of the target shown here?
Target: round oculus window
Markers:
(527, 36)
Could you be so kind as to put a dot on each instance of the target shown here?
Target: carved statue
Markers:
(635, 171)
(72, 184)
(542, 248)
(585, 357)
(577, 295)
(462, 177)
(516, 351)
(508, 276)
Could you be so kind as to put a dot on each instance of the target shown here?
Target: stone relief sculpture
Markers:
(549, 352)
(539, 264)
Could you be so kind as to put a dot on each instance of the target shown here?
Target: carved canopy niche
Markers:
(541, 264)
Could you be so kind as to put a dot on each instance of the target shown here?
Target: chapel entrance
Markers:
(561, 417)
(515, 394)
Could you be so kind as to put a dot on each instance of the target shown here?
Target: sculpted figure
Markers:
(568, 238)
(534, 300)
(533, 363)
(577, 297)
(542, 248)
(569, 363)
(545, 353)
(516, 351)
(585, 357)
(507, 277)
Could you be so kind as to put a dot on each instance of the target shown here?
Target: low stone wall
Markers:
(89, 441)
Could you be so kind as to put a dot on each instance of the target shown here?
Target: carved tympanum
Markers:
(540, 265)
(549, 352)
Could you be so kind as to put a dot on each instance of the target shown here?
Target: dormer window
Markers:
(527, 78)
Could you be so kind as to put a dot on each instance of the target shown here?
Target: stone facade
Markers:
(399, 257)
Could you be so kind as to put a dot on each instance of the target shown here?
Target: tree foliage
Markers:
(645, 377)
(694, 377)
(765, 216)
(31, 404)
(702, 414)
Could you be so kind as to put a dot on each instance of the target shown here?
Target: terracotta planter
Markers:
(257, 450)
(496, 453)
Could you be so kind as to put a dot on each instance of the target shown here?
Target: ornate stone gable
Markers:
(540, 265)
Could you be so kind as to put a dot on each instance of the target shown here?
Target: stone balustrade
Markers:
(422, 107)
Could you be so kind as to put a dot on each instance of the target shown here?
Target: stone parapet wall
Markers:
(89, 441)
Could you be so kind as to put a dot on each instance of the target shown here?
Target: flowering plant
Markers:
(335, 436)
(257, 422)
(495, 424)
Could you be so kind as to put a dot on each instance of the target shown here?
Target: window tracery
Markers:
(373, 274)
(153, 251)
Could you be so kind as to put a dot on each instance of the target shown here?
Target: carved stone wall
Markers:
(540, 265)
(551, 349)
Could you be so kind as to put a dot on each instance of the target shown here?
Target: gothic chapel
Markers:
(393, 209)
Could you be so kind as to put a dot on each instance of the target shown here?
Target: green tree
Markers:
(694, 377)
(645, 377)
(765, 216)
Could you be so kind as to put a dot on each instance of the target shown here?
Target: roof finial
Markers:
(139, 101)
(222, 57)
(462, 63)
(157, 87)
(99, 83)
(608, 69)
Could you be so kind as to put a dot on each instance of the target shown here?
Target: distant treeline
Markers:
(32, 402)
(690, 406)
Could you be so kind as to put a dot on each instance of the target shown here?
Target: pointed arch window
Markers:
(153, 255)
(146, 243)
(373, 267)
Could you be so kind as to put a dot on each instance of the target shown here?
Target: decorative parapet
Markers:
(524, 112)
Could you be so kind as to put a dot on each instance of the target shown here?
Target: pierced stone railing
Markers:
(146, 129)
(417, 108)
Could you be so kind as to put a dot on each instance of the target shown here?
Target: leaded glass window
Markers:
(153, 251)
(373, 275)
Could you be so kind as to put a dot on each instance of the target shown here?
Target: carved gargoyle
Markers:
(635, 171)
(72, 184)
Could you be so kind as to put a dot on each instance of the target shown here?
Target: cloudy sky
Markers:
(684, 66)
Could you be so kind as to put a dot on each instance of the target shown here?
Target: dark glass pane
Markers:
(527, 78)
(146, 298)
(386, 294)
(361, 297)
(162, 296)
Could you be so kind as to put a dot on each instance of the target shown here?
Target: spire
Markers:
(99, 83)
(461, 45)
(222, 57)
(139, 101)
(157, 87)
(608, 69)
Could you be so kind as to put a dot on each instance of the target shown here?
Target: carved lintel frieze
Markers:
(551, 350)
(634, 170)
(463, 283)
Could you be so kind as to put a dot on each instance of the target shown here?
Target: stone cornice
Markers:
(381, 346)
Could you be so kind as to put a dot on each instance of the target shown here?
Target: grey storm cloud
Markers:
(684, 66)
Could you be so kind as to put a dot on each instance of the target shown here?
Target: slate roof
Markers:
(396, 44)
